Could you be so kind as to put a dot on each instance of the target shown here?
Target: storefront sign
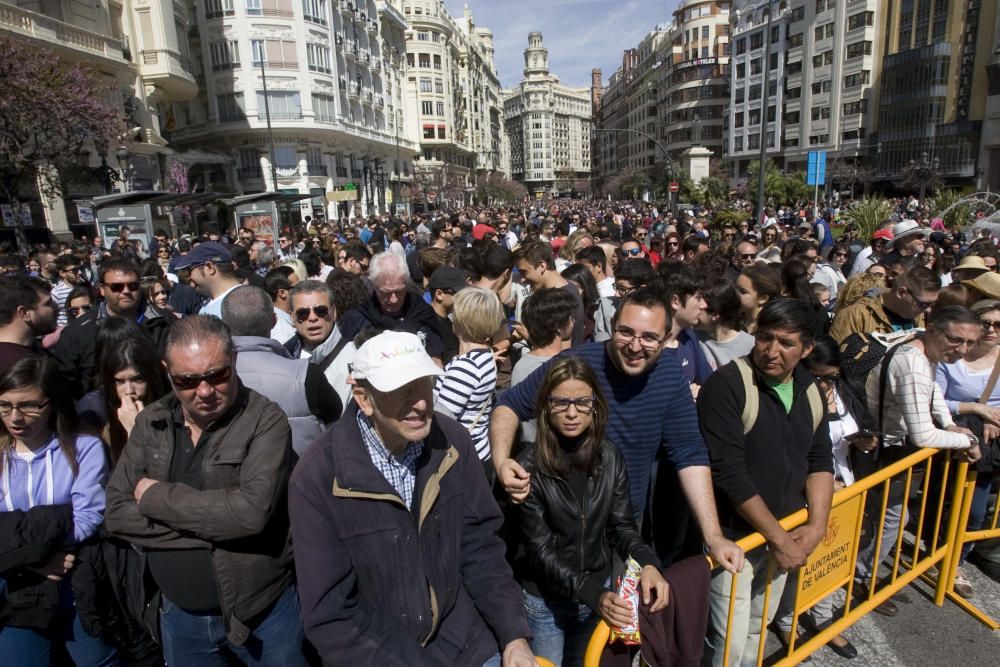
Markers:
(967, 60)
(85, 214)
(8, 215)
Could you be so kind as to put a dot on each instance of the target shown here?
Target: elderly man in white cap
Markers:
(395, 529)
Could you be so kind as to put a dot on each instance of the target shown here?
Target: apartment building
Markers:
(548, 124)
(453, 99)
(142, 52)
(933, 93)
(299, 97)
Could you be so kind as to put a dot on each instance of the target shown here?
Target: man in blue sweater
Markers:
(650, 407)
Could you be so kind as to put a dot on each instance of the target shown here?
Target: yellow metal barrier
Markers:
(946, 584)
(833, 564)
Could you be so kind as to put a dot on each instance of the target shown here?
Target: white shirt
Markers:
(214, 307)
(606, 287)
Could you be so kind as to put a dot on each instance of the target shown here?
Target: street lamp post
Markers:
(666, 155)
(124, 159)
(764, 97)
(925, 169)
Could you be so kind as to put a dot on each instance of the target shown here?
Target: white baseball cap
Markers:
(393, 359)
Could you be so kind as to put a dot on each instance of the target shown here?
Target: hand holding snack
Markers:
(625, 606)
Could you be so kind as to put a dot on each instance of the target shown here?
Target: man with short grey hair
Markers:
(297, 386)
(395, 305)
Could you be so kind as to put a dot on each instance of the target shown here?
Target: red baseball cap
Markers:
(885, 234)
(480, 231)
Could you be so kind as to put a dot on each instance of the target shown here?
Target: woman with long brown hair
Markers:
(577, 513)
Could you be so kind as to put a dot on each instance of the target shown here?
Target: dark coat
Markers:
(415, 317)
(399, 587)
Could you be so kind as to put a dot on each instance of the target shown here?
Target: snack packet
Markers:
(628, 590)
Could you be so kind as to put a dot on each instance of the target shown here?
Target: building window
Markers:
(860, 19)
(822, 59)
(820, 113)
(281, 105)
(324, 108)
(231, 107)
(792, 117)
(741, 46)
(438, 86)
(821, 87)
(854, 108)
(314, 11)
(218, 8)
(442, 132)
(225, 55)
(794, 67)
(424, 59)
(427, 108)
(794, 40)
(859, 49)
(855, 80)
(423, 36)
(756, 40)
(425, 85)
(254, 8)
(741, 71)
(428, 131)
(824, 31)
(797, 14)
(318, 57)
(755, 66)
(437, 62)
(439, 108)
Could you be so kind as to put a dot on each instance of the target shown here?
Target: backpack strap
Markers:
(329, 359)
(751, 402)
(816, 405)
(883, 384)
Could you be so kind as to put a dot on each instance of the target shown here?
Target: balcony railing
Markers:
(287, 171)
(316, 169)
(25, 22)
(269, 11)
(280, 115)
(158, 56)
(249, 172)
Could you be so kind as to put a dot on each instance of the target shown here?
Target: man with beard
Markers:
(650, 407)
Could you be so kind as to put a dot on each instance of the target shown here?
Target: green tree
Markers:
(712, 192)
(866, 214)
(796, 189)
(774, 183)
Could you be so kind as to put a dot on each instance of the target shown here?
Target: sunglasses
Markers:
(991, 324)
(750, 256)
(214, 378)
(302, 314)
(632, 251)
(118, 288)
(76, 311)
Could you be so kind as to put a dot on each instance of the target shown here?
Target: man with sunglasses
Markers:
(903, 307)
(873, 254)
(68, 270)
(200, 489)
(119, 287)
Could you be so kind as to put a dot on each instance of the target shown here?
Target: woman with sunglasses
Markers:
(849, 423)
(672, 248)
(46, 462)
(964, 384)
(577, 514)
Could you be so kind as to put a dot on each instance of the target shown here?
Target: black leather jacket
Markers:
(566, 544)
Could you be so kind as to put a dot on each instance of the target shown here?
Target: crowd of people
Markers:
(440, 440)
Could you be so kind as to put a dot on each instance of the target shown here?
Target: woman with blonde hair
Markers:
(298, 266)
(857, 286)
(578, 240)
(467, 389)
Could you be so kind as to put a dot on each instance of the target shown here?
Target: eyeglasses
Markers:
(749, 256)
(646, 340)
(623, 289)
(28, 408)
(213, 377)
(832, 377)
(632, 251)
(118, 288)
(302, 314)
(841, 254)
(673, 243)
(583, 405)
(991, 324)
(76, 311)
(72, 269)
(922, 305)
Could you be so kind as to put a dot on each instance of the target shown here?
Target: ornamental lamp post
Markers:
(124, 162)
(925, 170)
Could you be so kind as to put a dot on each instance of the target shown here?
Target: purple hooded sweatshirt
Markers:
(47, 479)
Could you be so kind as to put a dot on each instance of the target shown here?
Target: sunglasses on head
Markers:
(213, 377)
(302, 314)
(118, 288)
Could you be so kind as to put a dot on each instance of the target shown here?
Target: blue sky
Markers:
(579, 34)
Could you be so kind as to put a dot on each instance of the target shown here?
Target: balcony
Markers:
(69, 41)
(379, 102)
(351, 49)
(346, 6)
(171, 71)
(366, 97)
(376, 65)
(287, 172)
(354, 90)
(364, 57)
(373, 26)
(249, 172)
(315, 170)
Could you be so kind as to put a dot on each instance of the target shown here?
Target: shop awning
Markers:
(276, 197)
(155, 198)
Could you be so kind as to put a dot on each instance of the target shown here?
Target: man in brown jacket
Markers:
(902, 307)
(201, 489)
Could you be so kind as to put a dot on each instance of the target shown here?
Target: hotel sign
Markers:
(967, 59)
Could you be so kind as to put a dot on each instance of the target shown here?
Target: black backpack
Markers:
(861, 353)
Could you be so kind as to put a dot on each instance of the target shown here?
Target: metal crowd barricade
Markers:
(932, 482)
(965, 536)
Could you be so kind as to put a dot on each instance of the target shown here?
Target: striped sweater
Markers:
(467, 392)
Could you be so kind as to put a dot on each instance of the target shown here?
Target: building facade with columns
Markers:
(453, 102)
(140, 48)
(549, 124)
(299, 98)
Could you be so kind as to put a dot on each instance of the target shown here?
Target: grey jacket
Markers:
(265, 366)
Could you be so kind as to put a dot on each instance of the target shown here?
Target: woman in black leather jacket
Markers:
(577, 514)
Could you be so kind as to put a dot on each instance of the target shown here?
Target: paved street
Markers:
(922, 634)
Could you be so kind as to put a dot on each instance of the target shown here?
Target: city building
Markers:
(932, 92)
(694, 86)
(453, 99)
(664, 108)
(759, 43)
(142, 51)
(548, 124)
(300, 98)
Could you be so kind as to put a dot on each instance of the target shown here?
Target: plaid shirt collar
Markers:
(401, 473)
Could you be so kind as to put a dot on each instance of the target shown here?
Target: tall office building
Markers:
(453, 101)
(548, 124)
